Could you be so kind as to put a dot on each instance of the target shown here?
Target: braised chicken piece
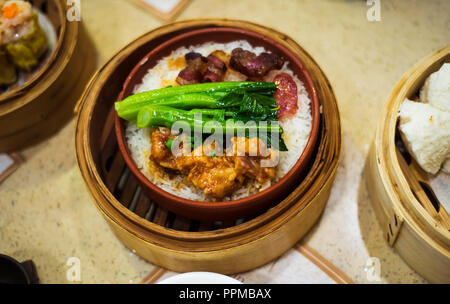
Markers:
(160, 153)
(219, 175)
(216, 176)
(251, 155)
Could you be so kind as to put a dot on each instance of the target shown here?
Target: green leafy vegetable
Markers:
(228, 106)
(169, 143)
(203, 95)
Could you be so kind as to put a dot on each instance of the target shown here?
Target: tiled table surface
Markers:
(48, 216)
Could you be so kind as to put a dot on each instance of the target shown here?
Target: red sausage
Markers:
(286, 95)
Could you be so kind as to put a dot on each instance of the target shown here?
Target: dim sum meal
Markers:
(247, 113)
(26, 35)
(425, 123)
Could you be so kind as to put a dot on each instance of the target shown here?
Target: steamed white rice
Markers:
(296, 129)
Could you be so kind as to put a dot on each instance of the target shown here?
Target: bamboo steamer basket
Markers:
(175, 242)
(37, 108)
(414, 222)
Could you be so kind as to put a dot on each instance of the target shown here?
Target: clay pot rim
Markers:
(218, 206)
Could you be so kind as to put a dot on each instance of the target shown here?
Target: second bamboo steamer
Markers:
(414, 222)
(44, 102)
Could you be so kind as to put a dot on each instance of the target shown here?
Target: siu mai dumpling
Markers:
(22, 36)
(7, 70)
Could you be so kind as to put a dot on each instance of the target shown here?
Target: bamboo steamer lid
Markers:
(414, 222)
(178, 243)
(38, 108)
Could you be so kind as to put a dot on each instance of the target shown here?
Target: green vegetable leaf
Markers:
(169, 144)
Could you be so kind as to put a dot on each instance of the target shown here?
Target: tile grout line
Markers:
(326, 266)
(17, 161)
(154, 275)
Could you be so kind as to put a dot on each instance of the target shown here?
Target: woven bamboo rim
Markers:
(316, 184)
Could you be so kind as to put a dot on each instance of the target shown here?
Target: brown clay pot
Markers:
(239, 208)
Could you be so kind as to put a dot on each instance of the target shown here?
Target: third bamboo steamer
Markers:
(414, 221)
(44, 99)
(173, 241)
